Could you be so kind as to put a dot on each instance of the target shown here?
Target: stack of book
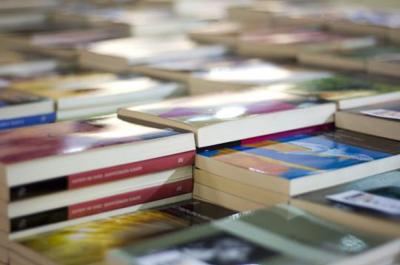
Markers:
(124, 54)
(86, 94)
(71, 172)
(269, 137)
(227, 72)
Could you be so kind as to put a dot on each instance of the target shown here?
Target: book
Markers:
(278, 235)
(21, 109)
(99, 176)
(224, 199)
(222, 32)
(381, 119)
(246, 192)
(241, 73)
(243, 114)
(301, 161)
(364, 21)
(121, 54)
(227, 72)
(348, 91)
(62, 39)
(385, 64)
(28, 68)
(352, 60)
(288, 43)
(195, 9)
(76, 149)
(83, 95)
(99, 216)
(69, 205)
(362, 203)
(64, 246)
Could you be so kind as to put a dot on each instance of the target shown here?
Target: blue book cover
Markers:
(300, 154)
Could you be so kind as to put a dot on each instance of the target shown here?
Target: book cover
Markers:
(65, 246)
(338, 87)
(279, 235)
(201, 111)
(253, 71)
(304, 154)
(98, 89)
(386, 185)
(71, 137)
(144, 50)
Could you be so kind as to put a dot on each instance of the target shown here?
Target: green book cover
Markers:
(279, 235)
(339, 87)
(87, 244)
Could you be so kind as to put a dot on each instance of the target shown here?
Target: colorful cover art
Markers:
(296, 156)
(88, 243)
(72, 137)
(216, 108)
(337, 87)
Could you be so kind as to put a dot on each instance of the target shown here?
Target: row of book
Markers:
(270, 161)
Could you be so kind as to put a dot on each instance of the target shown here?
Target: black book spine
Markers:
(39, 219)
(38, 188)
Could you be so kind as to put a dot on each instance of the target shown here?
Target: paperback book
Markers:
(371, 203)
(82, 153)
(64, 246)
(287, 43)
(59, 208)
(243, 114)
(121, 54)
(21, 109)
(93, 94)
(381, 119)
(278, 235)
(297, 162)
(361, 59)
(346, 90)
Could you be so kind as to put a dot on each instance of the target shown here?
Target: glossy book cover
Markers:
(72, 137)
(279, 235)
(88, 243)
(200, 111)
(303, 154)
(337, 87)
(254, 71)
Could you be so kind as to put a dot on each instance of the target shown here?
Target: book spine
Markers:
(27, 121)
(103, 175)
(98, 206)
